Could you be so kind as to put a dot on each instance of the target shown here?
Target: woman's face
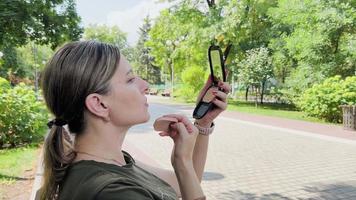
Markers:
(127, 102)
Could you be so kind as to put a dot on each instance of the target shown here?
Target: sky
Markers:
(126, 14)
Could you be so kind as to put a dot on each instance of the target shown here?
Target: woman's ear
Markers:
(96, 106)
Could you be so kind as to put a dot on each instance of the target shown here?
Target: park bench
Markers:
(153, 91)
(166, 93)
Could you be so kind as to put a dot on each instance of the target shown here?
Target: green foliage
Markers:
(11, 63)
(300, 79)
(112, 35)
(314, 40)
(32, 56)
(22, 118)
(323, 100)
(193, 79)
(4, 85)
(256, 68)
(22, 61)
(144, 62)
(176, 40)
(308, 41)
(45, 22)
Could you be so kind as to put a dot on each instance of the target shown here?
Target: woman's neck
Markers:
(101, 144)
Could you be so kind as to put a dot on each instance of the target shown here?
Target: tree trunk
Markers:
(246, 94)
(262, 90)
(256, 96)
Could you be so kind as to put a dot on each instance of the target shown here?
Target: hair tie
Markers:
(57, 122)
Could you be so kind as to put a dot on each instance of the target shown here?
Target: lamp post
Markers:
(172, 45)
(1, 55)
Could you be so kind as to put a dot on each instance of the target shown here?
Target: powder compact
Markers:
(217, 73)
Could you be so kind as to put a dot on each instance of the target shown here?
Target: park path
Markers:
(263, 158)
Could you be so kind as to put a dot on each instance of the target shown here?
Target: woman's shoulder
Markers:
(87, 178)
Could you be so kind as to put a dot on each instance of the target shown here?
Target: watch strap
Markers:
(204, 130)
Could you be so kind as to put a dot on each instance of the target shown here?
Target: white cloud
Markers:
(129, 20)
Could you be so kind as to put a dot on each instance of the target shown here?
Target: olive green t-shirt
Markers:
(88, 179)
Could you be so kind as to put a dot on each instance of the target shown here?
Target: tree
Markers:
(256, 69)
(45, 22)
(144, 61)
(315, 41)
(243, 23)
(112, 35)
(22, 62)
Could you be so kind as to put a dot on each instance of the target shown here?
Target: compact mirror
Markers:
(217, 73)
(216, 63)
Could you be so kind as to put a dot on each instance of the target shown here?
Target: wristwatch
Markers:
(203, 130)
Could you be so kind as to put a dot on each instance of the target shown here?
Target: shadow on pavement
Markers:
(237, 194)
(2, 176)
(333, 191)
(212, 176)
(316, 191)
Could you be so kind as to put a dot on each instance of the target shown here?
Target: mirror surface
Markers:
(216, 62)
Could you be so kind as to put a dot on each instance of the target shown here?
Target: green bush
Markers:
(323, 100)
(4, 85)
(193, 80)
(22, 118)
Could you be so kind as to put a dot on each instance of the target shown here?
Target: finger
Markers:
(225, 86)
(207, 85)
(220, 104)
(180, 128)
(173, 134)
(184, 120)
(163, 133)
(221, 95)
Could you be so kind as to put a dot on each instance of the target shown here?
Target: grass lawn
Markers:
(14, 162)
(271, 109)
(267, 109)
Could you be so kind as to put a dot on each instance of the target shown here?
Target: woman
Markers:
(90, 88)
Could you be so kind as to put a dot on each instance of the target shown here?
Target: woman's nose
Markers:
(145, 85)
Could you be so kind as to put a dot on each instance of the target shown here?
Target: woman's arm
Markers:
(200, 154)
(182, 159)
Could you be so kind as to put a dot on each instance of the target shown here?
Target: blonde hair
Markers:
(76, 70)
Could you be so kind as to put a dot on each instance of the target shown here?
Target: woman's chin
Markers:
(146, 118)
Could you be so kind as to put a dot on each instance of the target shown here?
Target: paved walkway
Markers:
(265, 158)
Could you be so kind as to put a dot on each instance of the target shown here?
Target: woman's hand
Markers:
(184, 134)
(220, 101)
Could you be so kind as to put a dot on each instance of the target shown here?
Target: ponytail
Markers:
(65, 87)
(58, 154)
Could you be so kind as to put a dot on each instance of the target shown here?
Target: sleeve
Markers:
(120, 191)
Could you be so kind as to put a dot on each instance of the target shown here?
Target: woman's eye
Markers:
(131, 79)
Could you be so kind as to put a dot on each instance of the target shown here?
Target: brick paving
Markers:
(264, 158)
(249, 159)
